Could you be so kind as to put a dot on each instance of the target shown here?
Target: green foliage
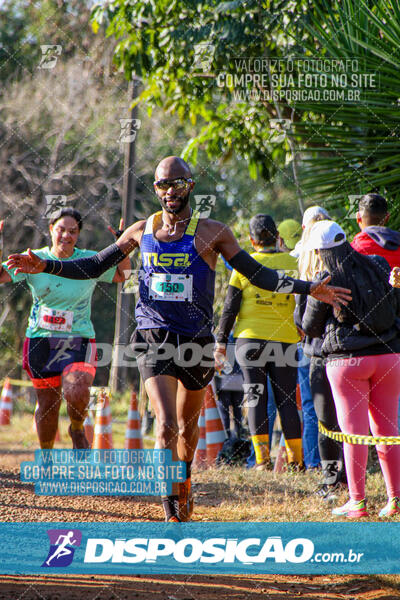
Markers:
(352, 147)
(160, 42)
(26, 25)
(342, 148)
(65, 140)
(15, 51)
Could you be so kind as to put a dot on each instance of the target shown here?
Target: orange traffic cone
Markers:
(6, 403)
(133, 436)
(215, 433)
(200, 457)
(89, 429)
(102, 439)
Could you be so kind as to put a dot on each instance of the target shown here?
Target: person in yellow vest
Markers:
(266, 345)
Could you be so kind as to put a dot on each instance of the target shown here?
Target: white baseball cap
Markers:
(311, 212)
(325, 234)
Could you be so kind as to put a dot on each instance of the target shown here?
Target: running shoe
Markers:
(295, 467)
(173, 519)
(79, 441)
(186, 501)
(335, 491)
(330, 491)
(392, 508)
(322, 490)
(266, 465)
(353, 509)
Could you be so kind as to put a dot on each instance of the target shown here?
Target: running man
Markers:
(60, 348)
(175, 307)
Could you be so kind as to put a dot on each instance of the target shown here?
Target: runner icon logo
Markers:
(129, 129)
(62, 547)
(203, 56)
(252, 394)
(50, 54)
(204, 204)
(54, 203)
(353, 206)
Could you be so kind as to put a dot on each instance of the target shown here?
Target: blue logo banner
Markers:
(203, 548)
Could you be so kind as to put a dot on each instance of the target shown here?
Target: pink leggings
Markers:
(366, 391)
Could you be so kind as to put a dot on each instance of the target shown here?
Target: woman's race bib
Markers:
(55, 320)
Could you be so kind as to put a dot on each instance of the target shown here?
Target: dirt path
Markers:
(268, 587)
(19, 503)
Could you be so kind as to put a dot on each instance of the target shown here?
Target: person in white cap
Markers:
(330, 451)
(311, 212)
(362, 345)
(309, 215)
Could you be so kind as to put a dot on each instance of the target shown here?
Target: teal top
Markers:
(61, 307)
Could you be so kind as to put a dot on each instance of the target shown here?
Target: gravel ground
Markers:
(19, 503)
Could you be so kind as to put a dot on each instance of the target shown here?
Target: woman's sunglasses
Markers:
(181, 184)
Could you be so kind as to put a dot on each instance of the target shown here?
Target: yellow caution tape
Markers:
(20, 382)
(351, 438)
(27, 383)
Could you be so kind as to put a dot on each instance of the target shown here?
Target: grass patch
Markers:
(21, 434)
(239, 494)
(227, 493)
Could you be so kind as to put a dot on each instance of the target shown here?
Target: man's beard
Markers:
(183, 200)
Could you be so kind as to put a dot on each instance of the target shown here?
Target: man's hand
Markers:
(124, 267)
(330, 294)
(26, 263)
(395, 277)
(219, 356)
(301, 333)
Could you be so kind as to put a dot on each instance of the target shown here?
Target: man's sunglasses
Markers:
(180, 184)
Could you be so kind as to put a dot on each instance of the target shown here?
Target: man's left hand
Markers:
(330, 294)
(395, 277)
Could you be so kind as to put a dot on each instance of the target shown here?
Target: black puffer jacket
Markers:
(311, 346)
(342, 339)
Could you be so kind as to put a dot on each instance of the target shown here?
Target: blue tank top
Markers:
(176, 286)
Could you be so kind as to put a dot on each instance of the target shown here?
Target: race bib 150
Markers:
(171, 286)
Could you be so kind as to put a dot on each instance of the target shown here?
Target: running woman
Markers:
(175, 307)
(60, 348)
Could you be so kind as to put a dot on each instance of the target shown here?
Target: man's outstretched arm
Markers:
(81, 268)
(275, 281)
